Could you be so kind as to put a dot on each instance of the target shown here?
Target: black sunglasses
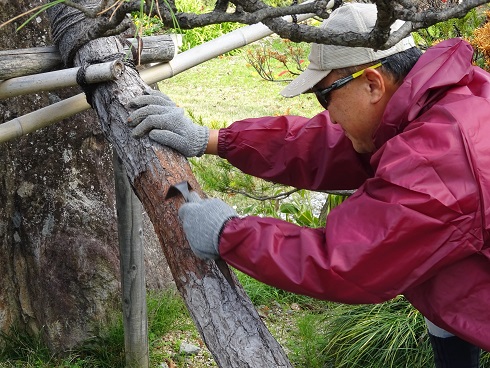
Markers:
(323, 94)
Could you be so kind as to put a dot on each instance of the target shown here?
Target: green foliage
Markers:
(198, 36)
(22, 349)
(462, 27)
(278, 2)
(226, 89)
(104, 350)
(217, 175)
(457, 27)
(473, 27)
(191, 37)
(262, 294)
(300, 210)
(308, 341)
(165, 311)
(392, 334)
(148, 26)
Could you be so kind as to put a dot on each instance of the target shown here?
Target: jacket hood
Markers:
(441, 67)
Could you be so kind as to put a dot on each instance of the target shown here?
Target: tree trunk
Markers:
(59, 273)
(225, 317)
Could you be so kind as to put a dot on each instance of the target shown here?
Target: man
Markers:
(410, 133)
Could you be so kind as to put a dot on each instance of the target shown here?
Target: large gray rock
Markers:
(59, 273)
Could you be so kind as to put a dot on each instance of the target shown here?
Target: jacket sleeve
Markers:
(395, 232)
(305, 153)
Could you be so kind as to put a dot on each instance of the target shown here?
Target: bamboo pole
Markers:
(95, 73)
(53, 113)
(43, 117)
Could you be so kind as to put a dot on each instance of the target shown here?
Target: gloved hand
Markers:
(157, 114)
(203, 220)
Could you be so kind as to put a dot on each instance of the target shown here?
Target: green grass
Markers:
(226, 89)
(318, 334)
(21, 349)
(166, 314)
(392, 334)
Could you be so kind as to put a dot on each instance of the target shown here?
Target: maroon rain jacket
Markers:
(418, 225)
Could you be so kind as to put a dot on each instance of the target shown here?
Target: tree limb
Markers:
(263, 198)
(432, 16)
(110, 17)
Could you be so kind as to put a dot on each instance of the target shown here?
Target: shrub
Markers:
(277, 59)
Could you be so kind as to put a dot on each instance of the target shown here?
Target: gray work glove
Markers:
(166, 123)
(203, 220)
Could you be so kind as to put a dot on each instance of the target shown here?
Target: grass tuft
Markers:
(392, 334)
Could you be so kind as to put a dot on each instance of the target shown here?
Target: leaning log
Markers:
(36, 60)
(224, 316)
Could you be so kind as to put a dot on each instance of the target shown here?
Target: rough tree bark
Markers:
(225, 317)
(59, 273)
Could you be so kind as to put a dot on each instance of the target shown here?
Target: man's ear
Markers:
(375, 83)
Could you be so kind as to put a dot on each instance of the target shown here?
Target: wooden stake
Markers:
(133, 286)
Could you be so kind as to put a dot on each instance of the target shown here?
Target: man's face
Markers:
(357, 106)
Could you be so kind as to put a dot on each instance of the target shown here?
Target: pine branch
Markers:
(110, 17)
